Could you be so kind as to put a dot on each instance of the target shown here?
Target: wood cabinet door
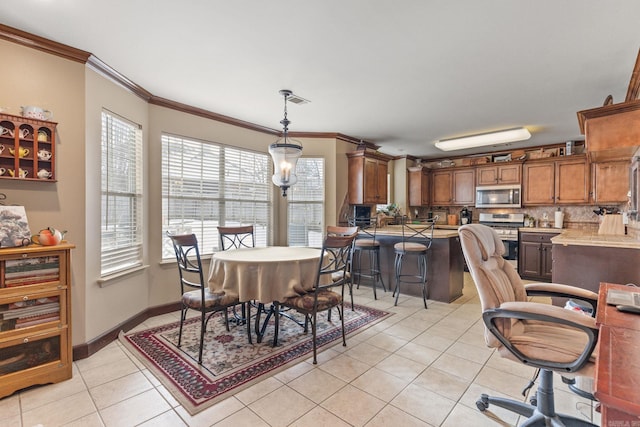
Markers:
(509, 174)
(442, 188)
(487, 175)
(381, 182)
(464, 187)
(572, 181)
(538, 183)
(419, 188)
(546, 260)
(610, 181)
(529, 259)
(370, 181)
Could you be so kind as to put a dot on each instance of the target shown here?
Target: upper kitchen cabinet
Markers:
(556, 182)
(367, 178)
(453, 187)
(419, 187)
(610, 181)
(510, 173)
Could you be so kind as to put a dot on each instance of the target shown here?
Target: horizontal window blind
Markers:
(207, 184)
(306, 204)
(121, 211)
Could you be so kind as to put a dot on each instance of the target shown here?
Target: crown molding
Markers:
(45, 45)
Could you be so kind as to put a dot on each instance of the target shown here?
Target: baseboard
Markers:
(82, 351)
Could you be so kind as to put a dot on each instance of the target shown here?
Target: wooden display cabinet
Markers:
(27, 148)
(367, 178)
(35, 316)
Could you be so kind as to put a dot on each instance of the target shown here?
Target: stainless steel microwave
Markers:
(498, 196)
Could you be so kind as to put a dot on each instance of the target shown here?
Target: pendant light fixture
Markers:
(285, 153)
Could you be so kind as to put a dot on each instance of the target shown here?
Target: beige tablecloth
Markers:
(264, 274)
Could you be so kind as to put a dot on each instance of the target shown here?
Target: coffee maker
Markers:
(465, 216)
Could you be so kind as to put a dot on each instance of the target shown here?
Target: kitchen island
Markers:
(445, 264)
(584, 259)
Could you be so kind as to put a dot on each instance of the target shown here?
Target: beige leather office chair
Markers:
(540, 335)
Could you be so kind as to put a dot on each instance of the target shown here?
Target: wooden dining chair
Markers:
(333, 230)
(332, 266)
(195, 292)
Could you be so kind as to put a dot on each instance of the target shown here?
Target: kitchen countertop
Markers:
(541, 230)
(396, 230)
(589, 238)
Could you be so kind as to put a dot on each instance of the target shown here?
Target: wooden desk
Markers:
(617, 379)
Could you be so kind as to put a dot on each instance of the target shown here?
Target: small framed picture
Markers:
(14, 227)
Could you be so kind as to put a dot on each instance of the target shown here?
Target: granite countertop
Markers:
(590, 238)
(396, 230)
(541, 230)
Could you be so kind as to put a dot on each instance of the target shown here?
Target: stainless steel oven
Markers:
(506, 225)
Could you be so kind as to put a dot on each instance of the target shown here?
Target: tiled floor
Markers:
(417, 368)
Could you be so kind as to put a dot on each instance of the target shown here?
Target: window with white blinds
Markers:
(121, 215)
(306, 204)
(206, 184)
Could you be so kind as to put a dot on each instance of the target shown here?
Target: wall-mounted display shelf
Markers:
(27, 148)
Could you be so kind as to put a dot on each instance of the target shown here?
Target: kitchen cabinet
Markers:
(453, 187)
(510, 173)
(27, 148)
(610, 181)
(535, 259)
(367, 178)
(419, 190)
(35, 316)
(563, 181)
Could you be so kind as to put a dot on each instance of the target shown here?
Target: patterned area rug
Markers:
(229, 362)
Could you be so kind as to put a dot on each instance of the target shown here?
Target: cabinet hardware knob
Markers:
(25, 255)
(26, 340)
(25, 298)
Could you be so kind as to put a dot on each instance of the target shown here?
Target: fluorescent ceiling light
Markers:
(479, 140)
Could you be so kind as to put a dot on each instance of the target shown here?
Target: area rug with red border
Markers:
(230, 364)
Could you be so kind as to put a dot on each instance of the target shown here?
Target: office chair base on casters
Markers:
(542, 415)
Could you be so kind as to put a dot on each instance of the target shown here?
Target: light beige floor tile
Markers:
(426, 405)
(273, 409)
(258, 390)
(322, 356)
(458, 366)
(120, 389)
(152, 379)
(392, 416)
(211, 415)
(135, 410)
(386, 342)
(345, 368)
(38, 396)
(108, 372)
(166, 419)
(431, 340)
(404, 331)
(75, 406)
(9, 408)
(470, 352)
(503, 382)
(317, 385)
(443, 383)
(167, 396)
(419, 353)
(111, 353)
(473, 393)
(244, 417)
(298, 369)
(382, 385)
(464, 416)
(368, 353)
(319, 417)
(510, 366)
(353, 405)
(401, 367)
(91, 420)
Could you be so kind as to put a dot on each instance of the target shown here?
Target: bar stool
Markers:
(366, 242)
(416, 241)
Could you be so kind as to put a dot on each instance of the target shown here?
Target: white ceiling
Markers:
(400, 74)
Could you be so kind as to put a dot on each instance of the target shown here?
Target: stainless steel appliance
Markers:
(506, 225)
(498, 196)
